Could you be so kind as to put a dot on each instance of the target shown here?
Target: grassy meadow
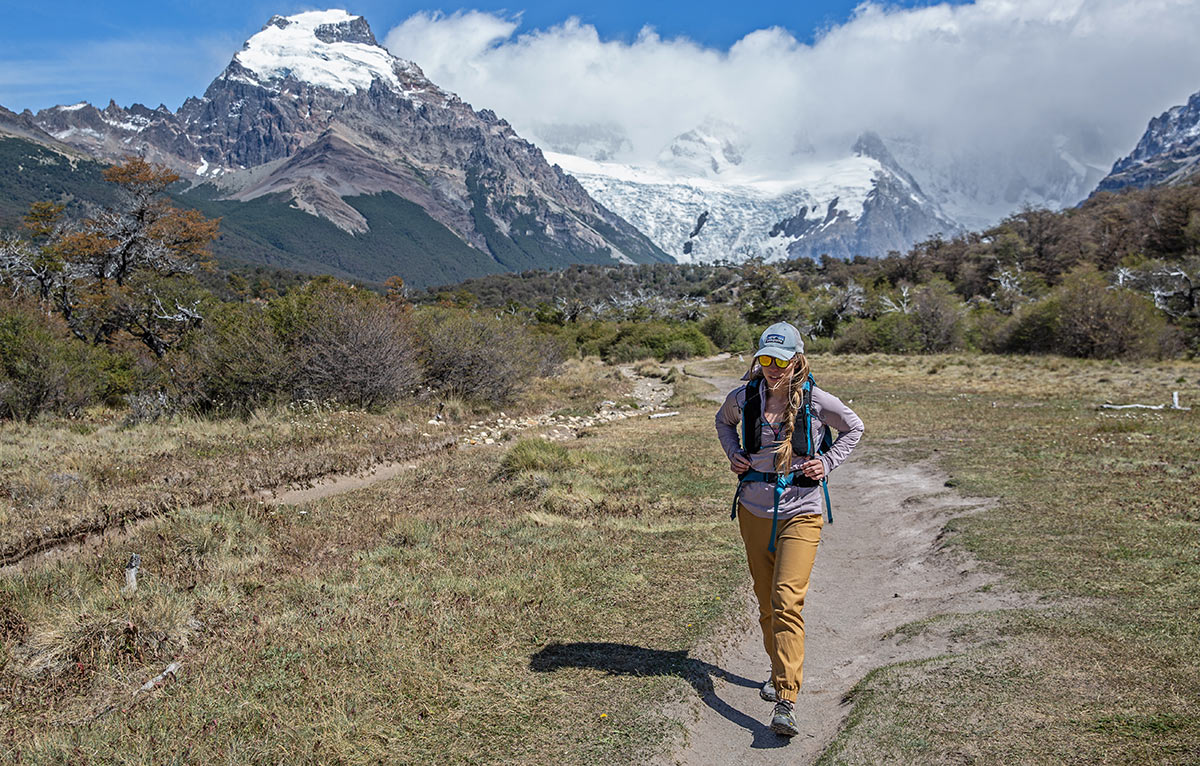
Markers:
(533, 602)
(1097, 510)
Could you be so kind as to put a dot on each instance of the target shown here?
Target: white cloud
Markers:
(988, 80)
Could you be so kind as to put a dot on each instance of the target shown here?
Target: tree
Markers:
(121, 270)
(767, 296)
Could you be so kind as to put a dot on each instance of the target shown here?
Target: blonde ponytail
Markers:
(783, 451)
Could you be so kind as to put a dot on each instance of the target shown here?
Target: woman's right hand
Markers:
(739, 463)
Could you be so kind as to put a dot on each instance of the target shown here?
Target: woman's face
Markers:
(778, 376)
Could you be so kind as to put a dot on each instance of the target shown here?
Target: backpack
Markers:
(802, 443)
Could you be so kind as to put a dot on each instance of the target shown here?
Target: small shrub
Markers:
(1084, 317)
(893, 333)
(988, 330)
(235, 363)
(1102, 323)
(727, 330)
(679, 349)
(1034, 327)
(660, 340)
(43, 369)
(937, 315)
(481, 358)
(356, 351)
(626, 352)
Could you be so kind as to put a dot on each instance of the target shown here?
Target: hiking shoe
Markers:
(783, 722)
(767, 692)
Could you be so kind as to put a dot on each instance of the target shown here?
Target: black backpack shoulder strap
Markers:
(802, 437)
(751, 418)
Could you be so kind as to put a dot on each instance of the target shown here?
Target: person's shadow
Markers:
(625, 659)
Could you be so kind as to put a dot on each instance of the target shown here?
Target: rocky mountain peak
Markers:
(1168, 152)
(329, 49)
(312, 110)
(870, 145)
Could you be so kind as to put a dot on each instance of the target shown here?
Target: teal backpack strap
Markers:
(826, 443)
(782, 480)
(828, 507)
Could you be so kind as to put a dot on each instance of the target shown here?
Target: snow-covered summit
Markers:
(701, 202)
(329, 49)
(712, 148)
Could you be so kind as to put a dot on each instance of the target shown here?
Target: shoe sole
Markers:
(767, 697)
(784, 731)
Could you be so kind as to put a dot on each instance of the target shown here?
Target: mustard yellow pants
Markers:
(780, 584)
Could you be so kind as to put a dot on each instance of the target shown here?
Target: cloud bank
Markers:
(988, 80)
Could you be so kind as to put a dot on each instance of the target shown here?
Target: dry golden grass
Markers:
(462, 613)
(468, 612)
(60, 478)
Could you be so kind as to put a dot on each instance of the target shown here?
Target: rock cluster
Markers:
(649, 395)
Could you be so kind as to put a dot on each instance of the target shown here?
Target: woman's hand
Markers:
(813, 469)
(739, 463)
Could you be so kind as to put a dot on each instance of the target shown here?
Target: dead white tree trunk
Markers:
(1174, 405)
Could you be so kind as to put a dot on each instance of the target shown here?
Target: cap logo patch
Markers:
(773, 338)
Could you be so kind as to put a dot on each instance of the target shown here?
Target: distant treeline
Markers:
(125, 306)
(1118, 276)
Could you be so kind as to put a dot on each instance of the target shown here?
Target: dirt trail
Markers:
(879, 566)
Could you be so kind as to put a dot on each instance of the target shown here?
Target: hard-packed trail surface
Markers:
(879, 567)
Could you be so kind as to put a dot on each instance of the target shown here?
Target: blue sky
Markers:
(163, 52)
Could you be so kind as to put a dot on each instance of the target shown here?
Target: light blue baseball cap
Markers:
(781, 340)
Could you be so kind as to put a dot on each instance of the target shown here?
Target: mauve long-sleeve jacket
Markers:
(758, 497)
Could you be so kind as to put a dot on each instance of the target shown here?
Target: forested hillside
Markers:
(1117, 276)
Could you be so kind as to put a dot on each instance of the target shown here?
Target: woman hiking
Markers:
(778, 503)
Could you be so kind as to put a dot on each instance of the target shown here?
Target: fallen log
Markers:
(1174, 405)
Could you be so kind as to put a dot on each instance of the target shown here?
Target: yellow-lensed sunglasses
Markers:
(765, 361)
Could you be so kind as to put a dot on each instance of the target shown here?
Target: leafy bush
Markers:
(1103, 323)
(661, 340)
(727, 330)
(626, 352)
(1034, 327)
(937, 314)
(988, 330)
(43, 369)
(478, 357)
(1085, 317)
(893, 333)
(235, 363)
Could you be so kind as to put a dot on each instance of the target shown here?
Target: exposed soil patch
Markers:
(880, 566)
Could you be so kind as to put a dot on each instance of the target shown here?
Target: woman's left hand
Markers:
(813, 469)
